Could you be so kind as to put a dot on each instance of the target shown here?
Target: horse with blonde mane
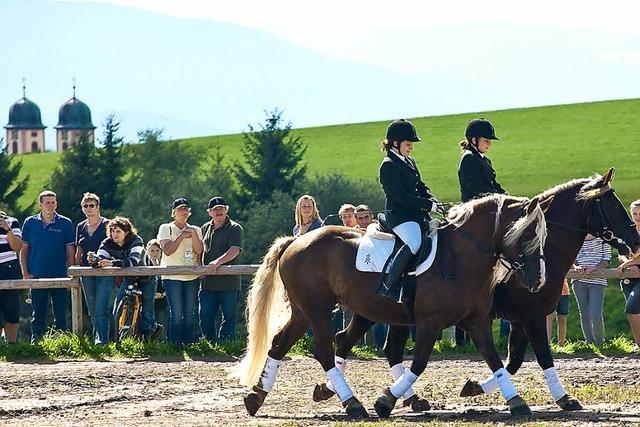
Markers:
(301, 279)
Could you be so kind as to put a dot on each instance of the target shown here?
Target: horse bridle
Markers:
(605, 233)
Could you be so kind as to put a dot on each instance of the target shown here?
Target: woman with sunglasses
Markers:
(97, 289)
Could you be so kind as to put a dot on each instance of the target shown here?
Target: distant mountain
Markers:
(216, 76)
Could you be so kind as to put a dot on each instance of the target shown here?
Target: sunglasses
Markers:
(89, 205)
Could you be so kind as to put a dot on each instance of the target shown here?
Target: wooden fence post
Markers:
(76, 307)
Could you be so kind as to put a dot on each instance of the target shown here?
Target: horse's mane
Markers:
(521, 225)
(586, 188)
(459, 214)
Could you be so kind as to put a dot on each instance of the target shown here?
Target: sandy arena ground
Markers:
(143, 392)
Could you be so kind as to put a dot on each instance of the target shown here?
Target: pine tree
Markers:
(75, 174)
(11, 187)
(109, 167)
(273, 158)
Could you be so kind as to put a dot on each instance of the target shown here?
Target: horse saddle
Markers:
(379, 244)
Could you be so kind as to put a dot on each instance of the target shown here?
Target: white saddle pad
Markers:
(374, 252)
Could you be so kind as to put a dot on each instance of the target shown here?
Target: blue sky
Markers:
(196, 67)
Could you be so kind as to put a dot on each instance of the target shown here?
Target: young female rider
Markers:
(408, 200)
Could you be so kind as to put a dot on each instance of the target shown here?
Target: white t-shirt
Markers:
(184, 255)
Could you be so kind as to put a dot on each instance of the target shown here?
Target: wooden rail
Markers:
(73, 283)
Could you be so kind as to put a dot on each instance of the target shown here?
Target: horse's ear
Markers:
(544, 205)
(608, 177)
(533, 204)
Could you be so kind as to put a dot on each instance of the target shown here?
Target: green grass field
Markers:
(539, 147)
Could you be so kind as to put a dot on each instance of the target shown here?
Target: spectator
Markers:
(48, 249)
(181, 245)
(364, 217)
(376, 335)
(97, 289)
(593, 255)
(347, 215)
(562, 312)
(123, 248)
(307, 215)
(10, 244)
(153, 256)
(222, 245)
(631, 287)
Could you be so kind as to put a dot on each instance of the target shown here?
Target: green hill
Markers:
(539, 147)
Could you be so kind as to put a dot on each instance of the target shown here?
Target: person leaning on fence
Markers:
(594, 254)
(10, 244)
(307, 215)
(223, 241)
(152, 258)
(631, 287)
(123, 248)
(97, 290)
(48, 249)
(364, 217)
(181, 246)
(347, 214)
(562, 312)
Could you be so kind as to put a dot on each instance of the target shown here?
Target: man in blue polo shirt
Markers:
(47, 250)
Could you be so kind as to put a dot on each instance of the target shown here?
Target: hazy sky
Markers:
(199, 67)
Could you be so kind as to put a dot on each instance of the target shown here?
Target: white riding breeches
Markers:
(409, 232)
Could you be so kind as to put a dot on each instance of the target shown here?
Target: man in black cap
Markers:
(222, 240)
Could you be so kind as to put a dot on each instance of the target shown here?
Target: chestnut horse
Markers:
(301, 279)
(578, 206)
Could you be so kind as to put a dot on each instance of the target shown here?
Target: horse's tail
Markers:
(267, 311)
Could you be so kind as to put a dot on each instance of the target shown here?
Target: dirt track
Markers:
(198, 392)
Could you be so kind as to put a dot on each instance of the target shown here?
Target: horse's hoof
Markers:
(518, 406)
(354, 408)
(385, 403)
(471, 388)
(568, 403)
(254, 400)
(417, 404)
(322, 392)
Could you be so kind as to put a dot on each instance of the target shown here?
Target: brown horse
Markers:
(301, 279)
(579, 206)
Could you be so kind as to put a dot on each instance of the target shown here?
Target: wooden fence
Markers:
(73, 282)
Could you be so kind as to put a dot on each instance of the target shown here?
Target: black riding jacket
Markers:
(407, 197)
(477, 176)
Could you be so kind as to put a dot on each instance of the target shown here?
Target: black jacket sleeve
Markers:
(470, 175)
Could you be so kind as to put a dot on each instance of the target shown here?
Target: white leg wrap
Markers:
(340, 386)
(553, 382)
(402, 384)
(489, 385)
(269, 374)
(396, 371)
(341, 364)
(507, 388)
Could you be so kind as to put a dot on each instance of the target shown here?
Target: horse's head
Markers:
(606, 215)
(522, 247)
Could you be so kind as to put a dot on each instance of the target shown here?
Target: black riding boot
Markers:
(390, 287)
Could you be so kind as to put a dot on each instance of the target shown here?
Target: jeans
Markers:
(39, 304)
(590, 299)
(379, 335)
(210, 302)
(181, 296)
(147, 316)
(505, 328)
(97, 294)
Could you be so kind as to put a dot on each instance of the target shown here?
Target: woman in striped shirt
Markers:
(593, 255)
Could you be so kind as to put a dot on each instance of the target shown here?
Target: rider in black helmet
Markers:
(408, 199)
(476, 174)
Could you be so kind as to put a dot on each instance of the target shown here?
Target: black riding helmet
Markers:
(480, 128)
(402, 130)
